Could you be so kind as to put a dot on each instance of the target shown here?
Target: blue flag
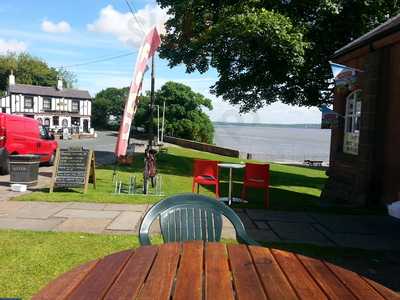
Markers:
(343, 75)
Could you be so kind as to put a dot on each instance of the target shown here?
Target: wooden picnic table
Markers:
(194, 270)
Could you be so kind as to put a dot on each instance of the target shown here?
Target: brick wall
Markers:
(352, 178)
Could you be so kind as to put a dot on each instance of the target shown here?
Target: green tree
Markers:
(184, 116)
(267, 50)
(108, 106)
(31, 70)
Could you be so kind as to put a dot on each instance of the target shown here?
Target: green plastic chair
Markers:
(188, 217)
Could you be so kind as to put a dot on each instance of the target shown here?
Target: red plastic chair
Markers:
(257, 176)
(205, 172)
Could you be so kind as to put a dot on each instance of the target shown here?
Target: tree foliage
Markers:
(267, 50)
(31, 70)
(108, 106)
(184, 116)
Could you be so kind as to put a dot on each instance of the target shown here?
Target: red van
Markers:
(22, 135)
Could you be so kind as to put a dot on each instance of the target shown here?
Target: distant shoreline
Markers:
(305, 125)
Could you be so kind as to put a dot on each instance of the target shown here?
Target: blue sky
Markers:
(65, 33)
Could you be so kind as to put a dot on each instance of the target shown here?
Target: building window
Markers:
(75, 106)
(3, 109)
(352, 122)
(56, 121)
(75, 121)
(46, 103)
(62, 105)
(46, 122)
(64, 123)
(28, 103)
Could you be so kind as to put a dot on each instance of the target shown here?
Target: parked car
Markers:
(22, 135)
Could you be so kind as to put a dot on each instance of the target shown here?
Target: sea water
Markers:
(277, 143)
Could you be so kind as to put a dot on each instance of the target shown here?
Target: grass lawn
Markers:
(292, 187)
(29, 260)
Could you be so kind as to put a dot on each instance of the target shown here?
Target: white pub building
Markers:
(54, 107)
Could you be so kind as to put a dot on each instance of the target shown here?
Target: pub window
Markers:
(56, 121)
(46, 122)
(47, 103)
(352, 122)
(28, 103)
(64, 123)
(75, 105)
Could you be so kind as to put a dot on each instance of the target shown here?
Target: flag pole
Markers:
(158, 125)
(151, 131)
(162, 124)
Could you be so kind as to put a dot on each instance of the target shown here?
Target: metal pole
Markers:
(151, 131)
(158, 125)
(163, 122)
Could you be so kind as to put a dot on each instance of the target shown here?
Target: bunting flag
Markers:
(344, 76)
(149, 46)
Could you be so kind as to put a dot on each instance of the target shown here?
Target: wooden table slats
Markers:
(384, 291)
(218, 280)
(161, 277)
(299, 278)
(131, 279)
(275, 282)
(97, 282)
(332, 286)
(61, 287)
(355, 283)
(189, 278)
(197, 270)
(245, 278)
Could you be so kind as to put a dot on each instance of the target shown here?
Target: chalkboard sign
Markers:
(74, 168)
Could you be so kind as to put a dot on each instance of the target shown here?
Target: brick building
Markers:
(365, 144)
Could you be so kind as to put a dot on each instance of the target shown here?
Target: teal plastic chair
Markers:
(188, 217)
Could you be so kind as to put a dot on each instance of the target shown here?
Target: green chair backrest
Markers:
(187, 217)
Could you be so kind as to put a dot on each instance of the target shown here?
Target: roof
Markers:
(390, 26)
(48, 91)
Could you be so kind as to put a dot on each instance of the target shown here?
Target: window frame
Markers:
(352, 120)
(32, 100)
(47, 100)
(58, 120)
(77, 102)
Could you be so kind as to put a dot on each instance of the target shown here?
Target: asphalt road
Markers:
(105, 141)
(103, 145)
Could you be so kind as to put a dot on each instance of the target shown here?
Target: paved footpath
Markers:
(366, 232)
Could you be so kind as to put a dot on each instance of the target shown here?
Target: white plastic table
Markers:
(231, 199)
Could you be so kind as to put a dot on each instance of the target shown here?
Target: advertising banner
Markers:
(149, 46)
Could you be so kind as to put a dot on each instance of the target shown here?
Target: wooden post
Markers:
(55, 167)
(93, 170)
(88, 170)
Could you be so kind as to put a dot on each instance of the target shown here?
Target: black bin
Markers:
(24, 169)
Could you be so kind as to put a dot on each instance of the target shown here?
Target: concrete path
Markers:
(45, 174)
(365, 232)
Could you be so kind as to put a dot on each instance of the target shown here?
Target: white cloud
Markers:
(127, 28)
(12, 46)
(52, 27)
